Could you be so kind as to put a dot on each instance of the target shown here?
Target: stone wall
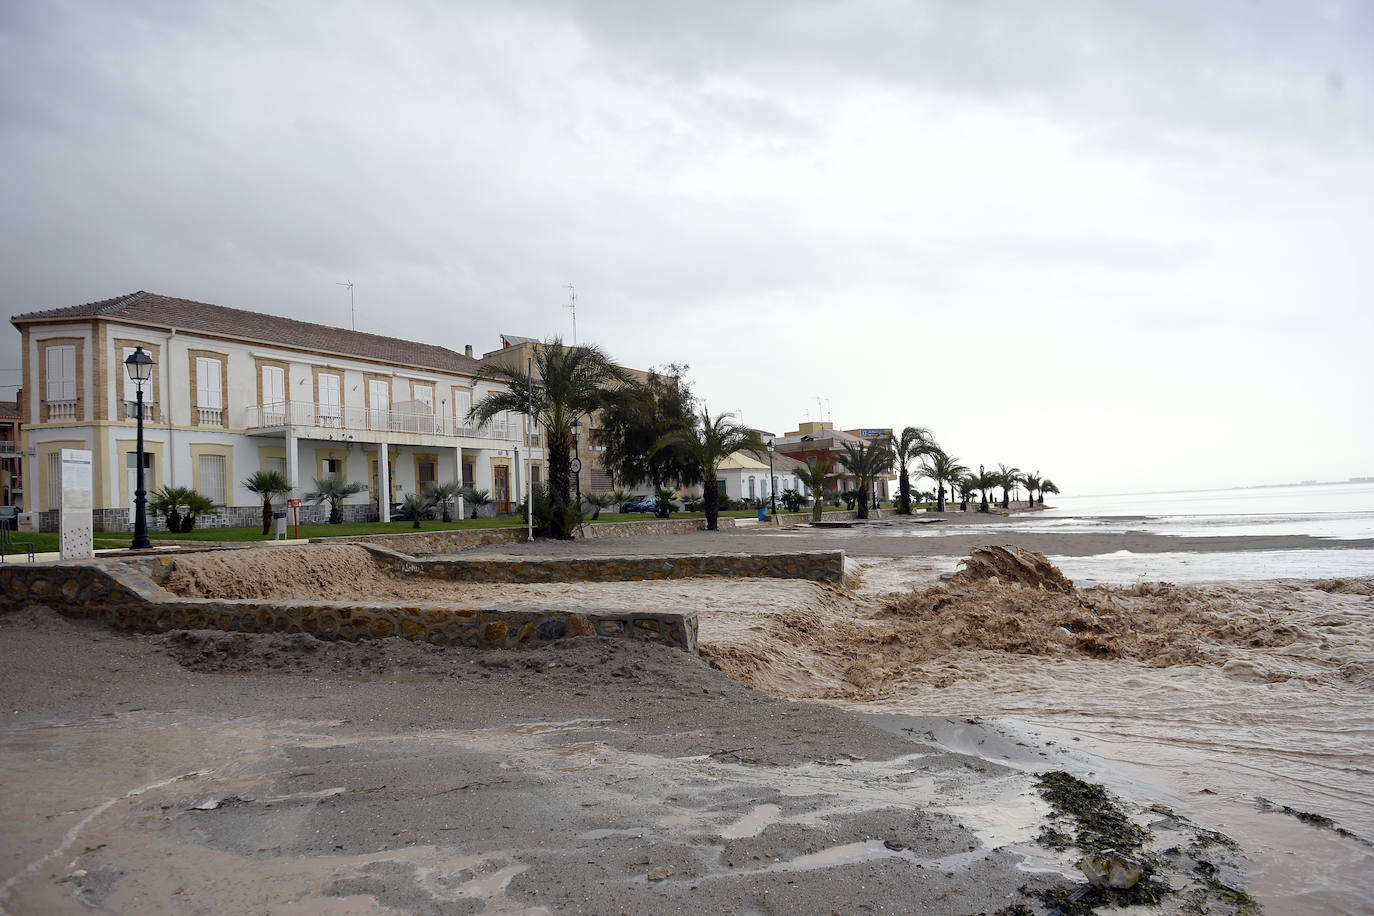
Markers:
(649, 527)
(818, 566)
(122, 594)
(426, 543)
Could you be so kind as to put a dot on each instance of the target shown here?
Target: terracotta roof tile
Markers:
(168, 312)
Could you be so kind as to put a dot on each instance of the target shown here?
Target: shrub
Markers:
(791, 500)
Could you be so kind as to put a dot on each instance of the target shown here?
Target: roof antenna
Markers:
(572, 304)
(351, 314)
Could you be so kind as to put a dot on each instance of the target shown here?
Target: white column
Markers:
(293, 470)
(384, 482)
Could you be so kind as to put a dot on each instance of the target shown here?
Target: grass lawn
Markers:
(314, 531)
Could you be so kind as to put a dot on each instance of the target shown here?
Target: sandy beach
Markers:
(824, 754)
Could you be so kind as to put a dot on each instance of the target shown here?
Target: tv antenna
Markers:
(823, 409)
(572, 304)
(351, 313)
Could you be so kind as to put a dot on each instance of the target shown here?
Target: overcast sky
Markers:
(1128, 245)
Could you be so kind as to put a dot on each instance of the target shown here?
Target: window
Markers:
(331, 411)
(596, 440)
(379, 403)
(536, 474)
(61, 373)
(130, 386)
(209, 391)
(425, 395)
(751, 488)
(54, 479)
(462, 403)
(332, 467)
(273, 389)
(212, 478)
(275, 464)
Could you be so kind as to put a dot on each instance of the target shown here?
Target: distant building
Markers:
(817, 439)
(746, 476)
(12, 452)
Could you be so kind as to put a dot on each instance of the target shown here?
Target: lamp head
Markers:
(139, 365)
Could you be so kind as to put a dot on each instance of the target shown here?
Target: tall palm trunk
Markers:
(903, 491)
(560, 469)
(267, 515)
(710, 501)
(939, 496)
(863, 502)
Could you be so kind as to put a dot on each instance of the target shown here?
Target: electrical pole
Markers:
(572, 304)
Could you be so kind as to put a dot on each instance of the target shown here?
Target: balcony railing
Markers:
(61, 410)
(210, 416)
(130, 411)
(335, 416)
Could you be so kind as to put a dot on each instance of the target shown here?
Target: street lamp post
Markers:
(139, 365)
(772, 481)
(983, 490)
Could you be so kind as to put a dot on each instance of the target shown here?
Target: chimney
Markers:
(467, 350)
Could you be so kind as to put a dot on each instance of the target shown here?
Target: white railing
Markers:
(381, 419)
(210, 416)
(149, 411)
(534, 440)
(61, 410)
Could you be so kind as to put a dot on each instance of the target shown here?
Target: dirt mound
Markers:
(317, 572)
(1012, 564)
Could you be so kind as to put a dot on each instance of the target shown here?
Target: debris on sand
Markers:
(1013, 565)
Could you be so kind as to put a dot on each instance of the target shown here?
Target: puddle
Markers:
(752, 824)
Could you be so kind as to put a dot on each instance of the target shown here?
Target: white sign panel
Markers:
(75, 518)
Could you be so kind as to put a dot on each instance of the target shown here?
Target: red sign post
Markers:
(295, 505)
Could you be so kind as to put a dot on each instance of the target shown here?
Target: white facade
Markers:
(745, 477)
(219, 409)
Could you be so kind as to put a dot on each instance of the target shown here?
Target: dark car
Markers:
(639, 504)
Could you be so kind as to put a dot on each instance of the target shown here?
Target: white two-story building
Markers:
(233, 392)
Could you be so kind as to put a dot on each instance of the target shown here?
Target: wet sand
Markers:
(202, 771)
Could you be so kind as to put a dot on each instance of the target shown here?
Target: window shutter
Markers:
(61, 373)
(273, 387)
(130, 389)
(462, 403)
(209, 394)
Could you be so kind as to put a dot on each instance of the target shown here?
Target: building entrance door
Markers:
(500, 484)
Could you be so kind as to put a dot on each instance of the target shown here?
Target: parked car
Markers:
(639, 504)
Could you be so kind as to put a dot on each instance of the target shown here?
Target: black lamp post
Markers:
(772, 481)
(983, 489)
(139, 365)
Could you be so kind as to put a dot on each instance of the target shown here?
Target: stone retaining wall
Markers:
(817, 566)
(650, 527)
(122, 594)
(424, 543)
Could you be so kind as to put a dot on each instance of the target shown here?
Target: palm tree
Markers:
(1047, 486)
(445, 493)
(1032, 482)
(1006, 479)
(416, 506)
(940, 468)
(334, 490)
(866, 460)
(599, 501)
(267, 484)
(967, 487)
(571, 383)
(914, 442)
(708, 442)
(181, 506)
(817, 476)
(477, 498)
(983, 482)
